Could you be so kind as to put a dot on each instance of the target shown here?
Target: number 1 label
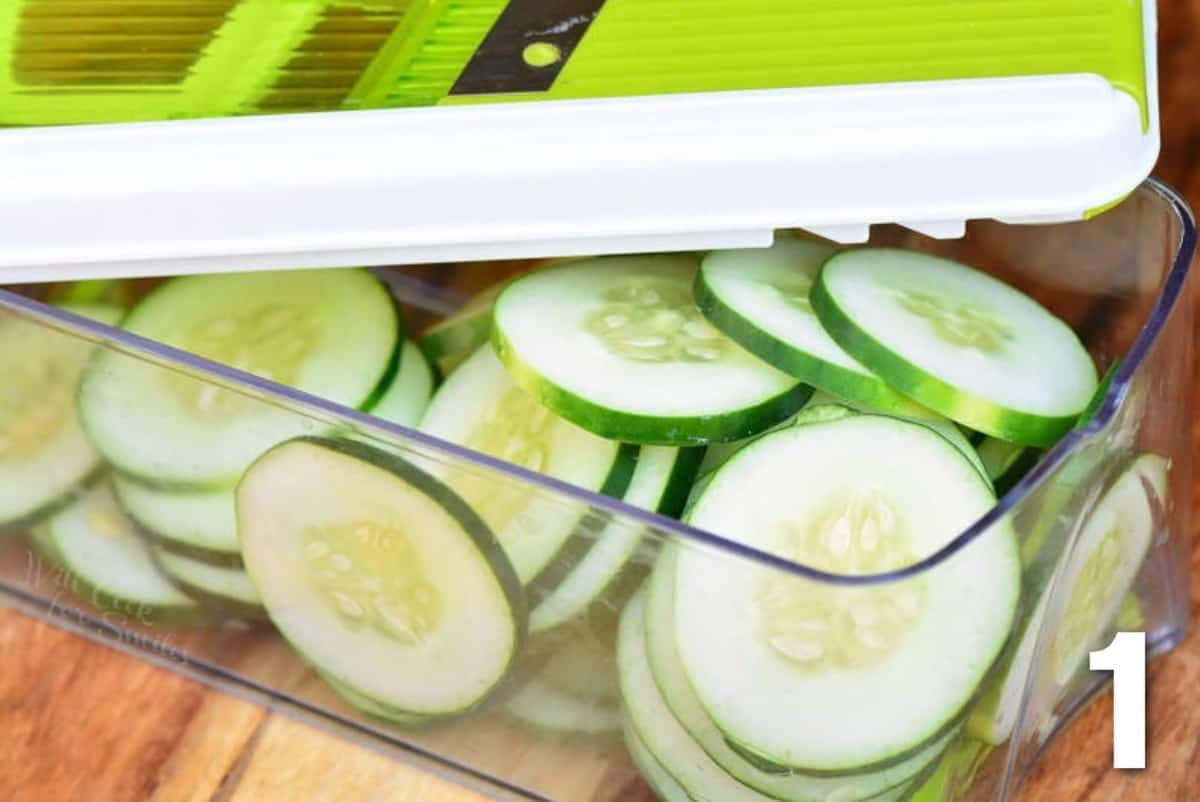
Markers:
(1125, 657)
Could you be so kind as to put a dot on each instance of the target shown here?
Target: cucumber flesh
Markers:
(406, 398)
(206, 581)
(916, 414)
(481, 408)
(1112, 546)
(852, 497)
(661, 733)
(664, 736)
(44, 454)
(617, 346)
(958, 341)
(657, 777)
(759, 299)
(823, 406)
(677, 692)
(954, 774)
(111, 563)
(660, 482)
(380, 575)
(370, 707)
(171, 429)
(199, 523)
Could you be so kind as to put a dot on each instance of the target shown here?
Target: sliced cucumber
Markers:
(883, 668)
(332, 333)
(958, 341)
(822, 407)
(1006, 462)
(380, 575)
(659, 780)
(545, 707)
(759, 299)
(661, 733)
(677, 692)
(1098, 573)
(661, 481)
(1130, 615)
(406, 398)
(218, 584)
(201, 524)
(370, 707)
(450, 341)
(44, 454)
(480, 407)
(916, 414)
(954, 774)
(617, 346)
(110, 563)
(1103, 565)
(664, 736)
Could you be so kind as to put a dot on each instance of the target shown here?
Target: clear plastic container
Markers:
(1118, 279)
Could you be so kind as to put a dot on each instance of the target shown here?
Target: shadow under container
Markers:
(1118, 279)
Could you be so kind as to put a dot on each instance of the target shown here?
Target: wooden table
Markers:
(82, 723)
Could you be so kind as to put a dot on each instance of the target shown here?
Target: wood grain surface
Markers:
(80, 722)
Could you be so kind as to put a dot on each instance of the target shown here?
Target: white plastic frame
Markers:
(565, 177)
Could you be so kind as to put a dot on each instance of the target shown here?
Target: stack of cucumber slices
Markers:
(838, 418)
(90, 430)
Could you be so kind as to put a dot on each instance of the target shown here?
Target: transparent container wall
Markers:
(584, 697)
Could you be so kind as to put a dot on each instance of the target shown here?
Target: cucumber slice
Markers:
(380, 575)
(370, 707)
(332, 333)
(664, 736)
(958, 341)
(1006, 462)
(1102, 567)
(542, 706)
(659, 780)
(954, 774)
(883, 668)
(759, 299)
(111, 565)
(481, 408)
(451, 340)
(661, 481)
(661, 733)
(209, 583)
(1099, 571)
(199, 524)
(203, 524)
(616, 345)
(407, 397)
(44, 454)
(914, 413)
(1130, 615)
(677, 692)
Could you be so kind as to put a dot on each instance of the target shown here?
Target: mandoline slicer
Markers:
(439, 130)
